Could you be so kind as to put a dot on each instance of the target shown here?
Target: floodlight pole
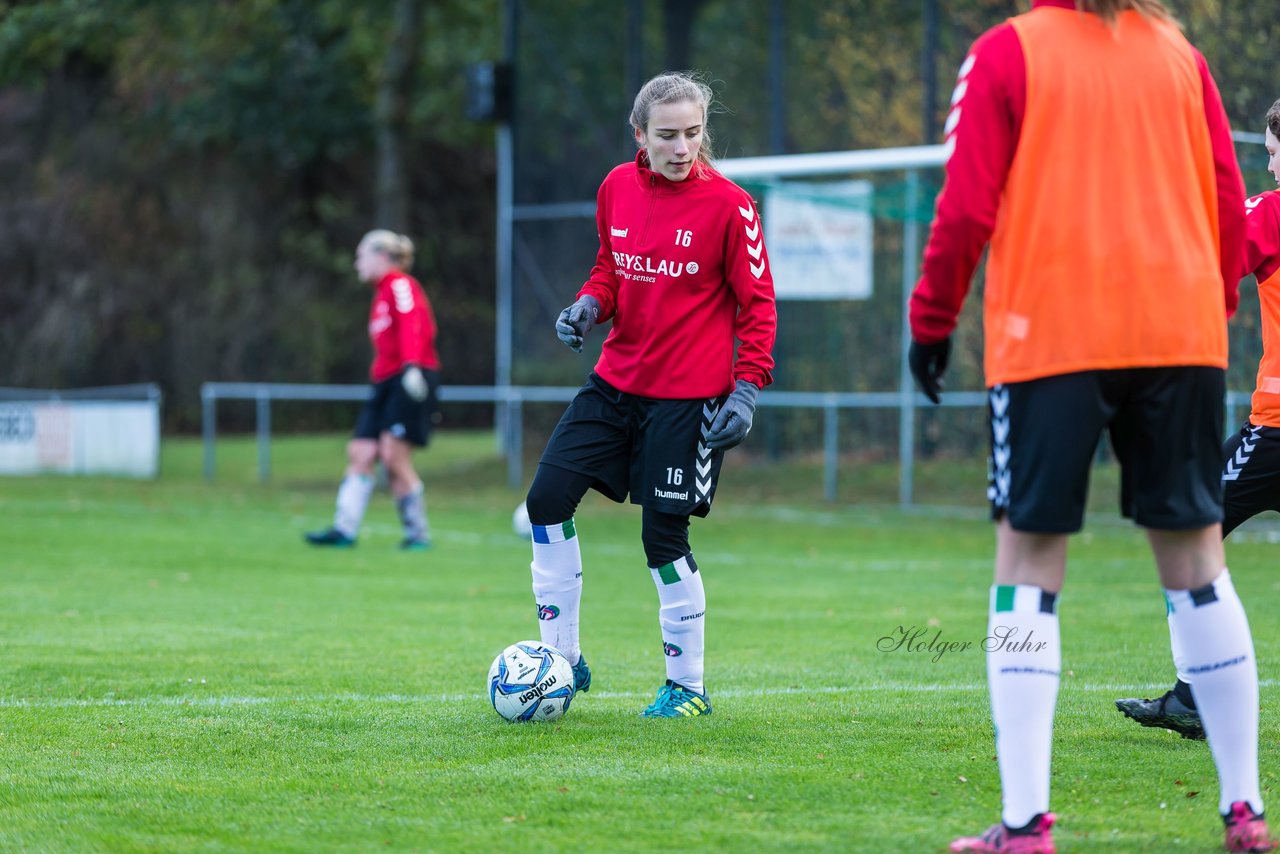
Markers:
(777, 87)
(505, 150)
(929, 72)
(633, 59)
(906, 385)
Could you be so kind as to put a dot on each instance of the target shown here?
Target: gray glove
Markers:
(415, 383)
(576, 321)
(733, 422)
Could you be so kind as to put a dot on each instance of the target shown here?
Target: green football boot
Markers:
(581, 675)
(676, 701)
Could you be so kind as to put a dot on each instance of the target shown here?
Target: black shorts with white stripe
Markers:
(647, 448)
(1164, 425)
(1250, 475)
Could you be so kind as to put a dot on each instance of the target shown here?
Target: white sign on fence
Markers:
(80, 437)
(820, 239)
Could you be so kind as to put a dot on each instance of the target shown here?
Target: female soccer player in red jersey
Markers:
(397, 416)
(682, 273)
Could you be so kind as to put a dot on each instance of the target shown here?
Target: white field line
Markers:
(422, 699)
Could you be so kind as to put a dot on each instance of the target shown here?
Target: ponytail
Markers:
(397, 247)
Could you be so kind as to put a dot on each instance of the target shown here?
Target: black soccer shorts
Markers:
(390, 409)
(1250, 475)
(1165, 426)
(647, 448)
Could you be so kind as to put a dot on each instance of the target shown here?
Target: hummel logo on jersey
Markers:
(755, 246)
(617, 232)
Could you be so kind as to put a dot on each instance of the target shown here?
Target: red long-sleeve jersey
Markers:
(1262, 256)
(682, 271)
(401, 327)
(982, 135)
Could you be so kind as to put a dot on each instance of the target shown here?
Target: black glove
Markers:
(576, 321)
(927, 362)
(733, 422)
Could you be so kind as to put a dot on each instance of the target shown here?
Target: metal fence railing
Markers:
(511, 401)
(100, 394)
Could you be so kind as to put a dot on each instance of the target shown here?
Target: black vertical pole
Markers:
(929, 73)
(633, 63)
(777, 78)
(504, 307)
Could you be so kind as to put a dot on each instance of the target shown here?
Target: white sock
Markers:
(1024, 656)
(353, 498)
(557, 586)
(682, 606)
(1175, 644)
(413, 514)
(1216, 652)
(1175, 647)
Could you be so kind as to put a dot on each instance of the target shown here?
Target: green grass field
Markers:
(179, 672)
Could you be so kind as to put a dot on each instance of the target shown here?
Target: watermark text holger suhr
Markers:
(929, 640)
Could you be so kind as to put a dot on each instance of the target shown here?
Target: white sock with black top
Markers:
(1215, 650)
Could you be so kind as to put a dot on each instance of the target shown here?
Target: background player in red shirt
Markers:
(682, 273)
(397, 416)
(1105, 306)
(1251, 468)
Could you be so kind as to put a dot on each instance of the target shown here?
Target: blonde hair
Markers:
(672, 87)
(397, 247)
(1107, 10)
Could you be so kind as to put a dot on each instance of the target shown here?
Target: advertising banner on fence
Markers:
(820, 239)
(80, 437)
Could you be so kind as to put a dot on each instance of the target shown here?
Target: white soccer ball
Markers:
(530, 681)
(520, 522)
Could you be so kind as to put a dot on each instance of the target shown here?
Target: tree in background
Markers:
(391, 116)
(184, 184)
(181, 184)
